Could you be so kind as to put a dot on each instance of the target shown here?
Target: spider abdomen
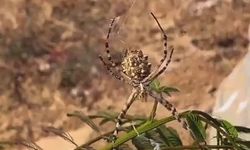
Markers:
(135, 65)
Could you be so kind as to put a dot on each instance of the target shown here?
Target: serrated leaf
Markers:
(142, 143)
(108, 115)
(155, 85)
(155, 136)
(84, 118)
(105, 116)
(59, 132)
(230, 129)
(104, 121)
(245, 145)
(207, 116)
(168, 90)
(124, 147)
(242, 129)
(169, 136)
(198, 130)
(29, 144)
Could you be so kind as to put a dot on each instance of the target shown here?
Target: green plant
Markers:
(148, 133)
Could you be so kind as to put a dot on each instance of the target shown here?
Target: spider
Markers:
(136, 71)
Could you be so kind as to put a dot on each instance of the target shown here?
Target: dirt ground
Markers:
(49, 56)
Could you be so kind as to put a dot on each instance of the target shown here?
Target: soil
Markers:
(50, 67)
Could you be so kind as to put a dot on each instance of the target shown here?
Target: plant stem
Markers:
(149, 125)
(153, 112)
(214, 123)
(94, 140)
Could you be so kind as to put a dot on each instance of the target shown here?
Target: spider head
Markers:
(135, 65)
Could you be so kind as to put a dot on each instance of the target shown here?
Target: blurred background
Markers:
(49, 51)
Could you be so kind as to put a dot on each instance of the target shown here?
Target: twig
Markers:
(65, 135)
(94, 140)
(153, 112)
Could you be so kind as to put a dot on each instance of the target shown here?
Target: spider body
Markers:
(135, 65)
(135, 70)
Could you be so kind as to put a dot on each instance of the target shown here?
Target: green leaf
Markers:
(105, 116)
(207, 116)
(215, 123)
(155, 136)
(145, 127)
(168, 90)
(155, 85)
(84, 118)
(142, 143)
(242, 129)
(245, 145)
(169, 136)
(229, 128)
(195, 124)
(104, 121)
(124, 147)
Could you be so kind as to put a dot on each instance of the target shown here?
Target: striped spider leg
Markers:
(115, 71)
(111, 66)
(124, 110)
(165, 61)
(153, 75)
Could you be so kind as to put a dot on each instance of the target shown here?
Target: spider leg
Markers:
(120, 76)
(160, 70)
(165, 37)
(110, 70)
(107, 48)
(177, 116)
(125, 108)
(171, 108)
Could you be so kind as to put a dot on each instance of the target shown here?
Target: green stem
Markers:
(94, 140)
(214, 123)
(149, 125)
(153, 112)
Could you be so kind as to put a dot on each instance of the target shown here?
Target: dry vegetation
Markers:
(49, 49)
